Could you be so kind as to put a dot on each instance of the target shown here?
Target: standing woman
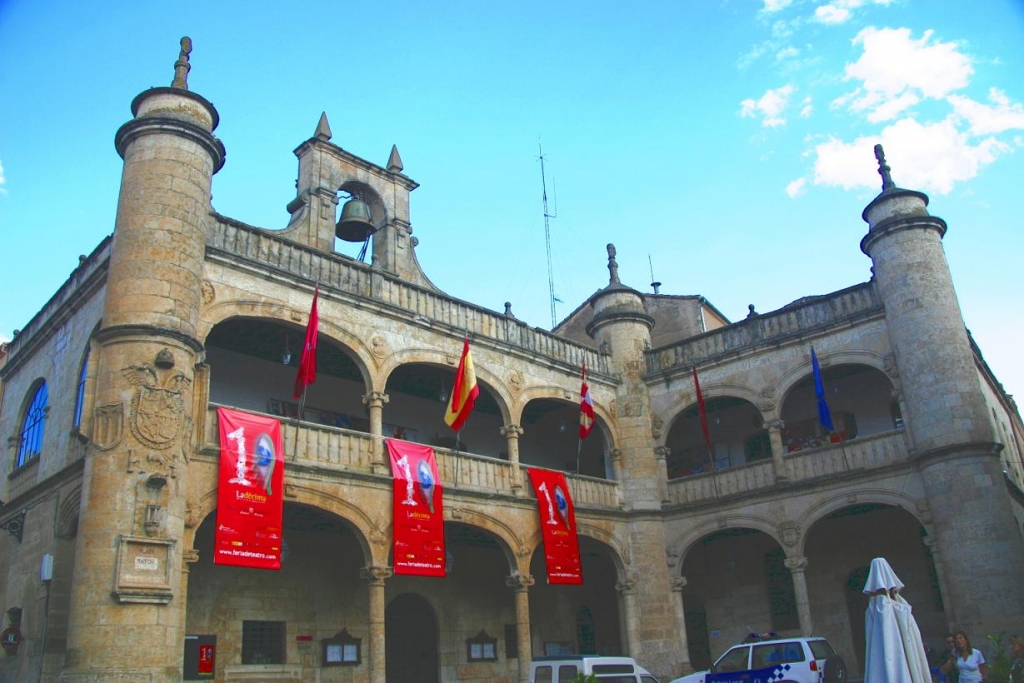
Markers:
(967, 660)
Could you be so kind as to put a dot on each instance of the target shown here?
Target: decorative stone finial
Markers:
(182, 67)
(883, 169)
(508, 309)
(395, 160)
(323, 128)
(613, 267)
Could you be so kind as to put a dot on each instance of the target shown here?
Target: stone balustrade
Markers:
(863, 453)
(851, 304)
(337, 449)
(332, 271)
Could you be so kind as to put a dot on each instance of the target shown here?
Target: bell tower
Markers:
(953, 437)
(133, 503)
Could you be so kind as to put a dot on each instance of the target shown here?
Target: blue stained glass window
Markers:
(80, 397)
(32, 428)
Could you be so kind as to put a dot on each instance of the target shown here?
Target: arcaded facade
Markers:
(109, 398)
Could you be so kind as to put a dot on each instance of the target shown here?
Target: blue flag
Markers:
(824, 416)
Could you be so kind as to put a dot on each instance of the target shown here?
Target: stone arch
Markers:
(619, 552)
(66, 523)
(370, 535)
(429, 356)
(681, 546)
(378, 208)
(351, 344)
(815, 513)
(795, 374)
(736, 425)
(509, 542)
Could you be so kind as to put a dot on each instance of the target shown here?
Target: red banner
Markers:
(558, 526)
(250, 504)
(418, 528)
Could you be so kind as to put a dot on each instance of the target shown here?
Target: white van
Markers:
(563, 668)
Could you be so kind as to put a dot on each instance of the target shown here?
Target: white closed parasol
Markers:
(895, 652)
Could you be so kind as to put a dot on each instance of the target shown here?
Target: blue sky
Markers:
(727, 145)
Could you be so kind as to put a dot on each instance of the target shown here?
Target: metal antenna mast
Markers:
(547, 237)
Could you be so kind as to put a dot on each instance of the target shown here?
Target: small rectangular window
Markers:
(263, 642)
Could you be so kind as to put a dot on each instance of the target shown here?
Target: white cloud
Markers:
(772, 6)
(830, 14)
(806, 108)
(1002, 116)
(786, 53)
(796, 188)
(894, 69)
(930, 157)
(887, 110)
(771, 106)
(3, 180)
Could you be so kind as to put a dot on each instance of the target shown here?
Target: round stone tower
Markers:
(621, 327)
(126, 620)
(949, 423)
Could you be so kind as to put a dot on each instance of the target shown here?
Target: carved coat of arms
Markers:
(158, 405)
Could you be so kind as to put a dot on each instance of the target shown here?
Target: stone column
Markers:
(662, 453)
(774, 428)
(678, 584)
(520, 583)
(616, 457)
(932, 546)
(512, 434)
(627, 595)
(376, 576)
(797, 566)
(375, 401)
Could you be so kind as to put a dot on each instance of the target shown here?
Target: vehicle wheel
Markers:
(835, 670)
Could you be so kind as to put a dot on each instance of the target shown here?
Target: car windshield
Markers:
(733, 660)
(821, 649)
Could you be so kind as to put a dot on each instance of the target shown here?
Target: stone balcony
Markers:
(314, 447)
(833, 461)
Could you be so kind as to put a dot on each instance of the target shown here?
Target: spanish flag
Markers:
(464, 393)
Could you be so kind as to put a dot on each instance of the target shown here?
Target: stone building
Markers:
(109, 398)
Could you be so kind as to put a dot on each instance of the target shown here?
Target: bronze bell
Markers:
(354, 224)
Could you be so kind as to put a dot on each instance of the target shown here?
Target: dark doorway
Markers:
(410, 635)
(697, 640)
(856, 605)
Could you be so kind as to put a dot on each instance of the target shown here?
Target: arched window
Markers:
(80, 395)
(32, 427)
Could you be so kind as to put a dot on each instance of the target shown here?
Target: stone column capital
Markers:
(511, 431)
(679, 583)
(376, 575)
(774, 425)
(662, 452)
(615, 454)
(626, 586)
(189, 556)
(519, 582)
(797, 564)
(375, 399)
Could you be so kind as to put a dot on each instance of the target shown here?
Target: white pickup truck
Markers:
(563, 668)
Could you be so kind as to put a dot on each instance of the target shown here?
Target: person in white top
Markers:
(968, 661)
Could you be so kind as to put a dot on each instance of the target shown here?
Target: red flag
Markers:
(307, 366)
(464, 393)
(703, 411)
(586, 407)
